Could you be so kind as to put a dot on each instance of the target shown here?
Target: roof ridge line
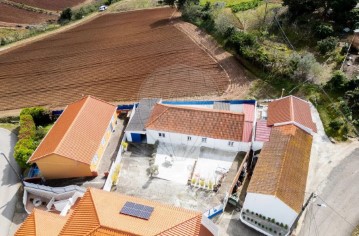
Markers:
(199, 214)
(282, 164)
(291, 109)
(72, 123)
(149, 123)
(59, 155)
(90, 192)
(203, 109)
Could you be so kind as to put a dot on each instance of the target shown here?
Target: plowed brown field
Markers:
(11, 14)
(54, 5)
(116, 57)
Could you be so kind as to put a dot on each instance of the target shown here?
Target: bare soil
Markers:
(11, 14)
(54, 5)
(116, 57)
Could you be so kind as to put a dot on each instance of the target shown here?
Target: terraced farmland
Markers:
(54, 5)
(116, 57)
(11, 14)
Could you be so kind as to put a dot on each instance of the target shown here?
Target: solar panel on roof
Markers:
(137, 210)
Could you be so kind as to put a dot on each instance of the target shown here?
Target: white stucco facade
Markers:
(270, 206)
(192, 140)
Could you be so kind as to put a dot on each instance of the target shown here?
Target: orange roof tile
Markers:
(210, 123)
(78, 132)
(42, 223)
(282, 167)
(95, 215)
(290, 109)
(28, 227)
(98, 213)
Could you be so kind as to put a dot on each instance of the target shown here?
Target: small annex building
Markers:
(75, 144)
(106, 213)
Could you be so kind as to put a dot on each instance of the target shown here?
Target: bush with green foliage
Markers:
(323, 31)
(25, 146)
(40, 115)
(336, 124)
(191, 11)
(244, 6)
(337, 82)
(304, 67)
(327, 45)
(65, 16)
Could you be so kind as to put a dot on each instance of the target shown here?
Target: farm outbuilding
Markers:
(278, 184)
(75, 144)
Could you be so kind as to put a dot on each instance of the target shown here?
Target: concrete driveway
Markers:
(9, 183)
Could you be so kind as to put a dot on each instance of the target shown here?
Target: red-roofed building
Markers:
(107, 213)
(291, 110)
(75, 144)
(219, 129)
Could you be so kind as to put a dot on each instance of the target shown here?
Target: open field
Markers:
(116, 57)
(11, 14)
(57, 5)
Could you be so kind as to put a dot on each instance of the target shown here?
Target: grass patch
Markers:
(356, 231)
(228, 2)
(11, 127)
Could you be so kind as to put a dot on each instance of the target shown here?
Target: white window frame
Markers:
(162, 135)
(230, 143)
(204, 140)
(189, 138)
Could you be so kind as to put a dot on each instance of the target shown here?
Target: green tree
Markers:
(65, 15)
(323, 30)
(299, 7)
(304, 67)
(327, 45)
(337, 82)
(341, 8)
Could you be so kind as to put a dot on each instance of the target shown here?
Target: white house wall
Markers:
(257, 145)
(270, 206)
(176, 138)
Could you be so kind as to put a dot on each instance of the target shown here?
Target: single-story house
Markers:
(198, 127)
(106, 213)
(277, 188)
(226, 125)
(75, 144)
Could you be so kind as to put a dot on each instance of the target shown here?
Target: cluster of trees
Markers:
(31, 133)
(348, 96)
(341, 11)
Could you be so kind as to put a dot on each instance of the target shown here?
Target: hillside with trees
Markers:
(295, 47)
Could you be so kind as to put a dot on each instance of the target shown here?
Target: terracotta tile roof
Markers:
(249, 111)
(262, 131)
(282, 167)
(28, 227)
(78, 132)
(290, 109)
(210, 123)
(98, 214)
(42, 223)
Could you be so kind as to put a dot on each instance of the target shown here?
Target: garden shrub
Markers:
(327, 45)
(40, 115)
(336, 124)
(337, 82)
(323, 31)
(27, 127)
(244, 6)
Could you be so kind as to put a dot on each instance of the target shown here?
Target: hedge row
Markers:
(244, 6)
(26, 144)
(30, 133)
